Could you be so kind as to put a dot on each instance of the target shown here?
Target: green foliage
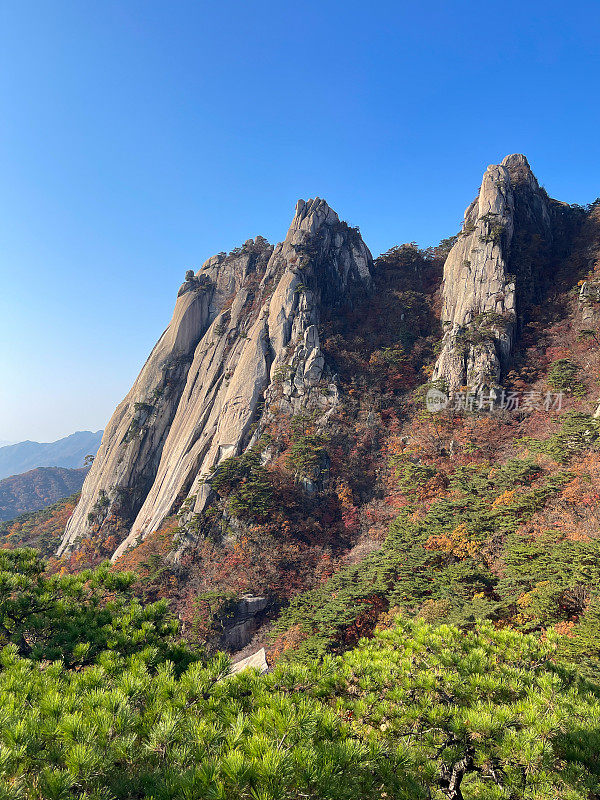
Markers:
(482, 329)
(554, 580)
(411, 474)
(435, 557)
(389, 356)
(550, 561)
(74, 618)
(562, 376)
(133, 431)
(99, 509)
(446, 245)
(582, 645)
(216, 605)
(116, 730)
(282, 373)
(494, 228)
(384, 339)
(244, 484)
(415, 713)
(147, 408)
(99, 701)
(133, 724)
(479, 481)
(307, 447)
(588, 333)
(486, 708)
(578, 432)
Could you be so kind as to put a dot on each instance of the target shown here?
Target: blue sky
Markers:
(139, 138)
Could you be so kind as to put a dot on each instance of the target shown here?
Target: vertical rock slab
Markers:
(240, 324)
(490, 276)
(129, 455)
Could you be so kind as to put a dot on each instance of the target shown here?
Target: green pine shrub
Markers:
(439, 557)
(562, 377)
(243, 482)
(415, 713)
(74, 618)
(578, 432)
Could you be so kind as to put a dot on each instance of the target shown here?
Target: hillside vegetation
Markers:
(37, 489)
(40, 529)
(99, 699)
(428, 579)
(452, 516)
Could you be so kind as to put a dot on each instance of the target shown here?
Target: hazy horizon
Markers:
(7, 443)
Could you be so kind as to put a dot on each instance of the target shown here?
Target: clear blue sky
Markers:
(139, 138)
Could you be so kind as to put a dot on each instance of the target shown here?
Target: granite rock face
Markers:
(243, 341)
(129, 455)
(490, 275)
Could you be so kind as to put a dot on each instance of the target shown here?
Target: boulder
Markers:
(257, 661)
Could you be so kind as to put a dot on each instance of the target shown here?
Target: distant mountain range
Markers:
(37, 489)
(68, 452)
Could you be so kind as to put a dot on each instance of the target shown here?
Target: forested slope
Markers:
(100, 699)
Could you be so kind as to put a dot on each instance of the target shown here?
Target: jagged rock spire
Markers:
(311, 215)
(248, 329)
(484, 284)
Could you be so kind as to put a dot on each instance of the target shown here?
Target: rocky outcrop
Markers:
(245, 339)
(240, 626)
(589, 298)
(257, 661)
(129, 455)
(494, 270)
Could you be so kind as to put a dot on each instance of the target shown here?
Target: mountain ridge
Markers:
(235, 321)
(37, 489)
(68, 452)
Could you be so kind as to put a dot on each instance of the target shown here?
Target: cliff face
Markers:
(243, 340)
(491, 274)
(127, 461)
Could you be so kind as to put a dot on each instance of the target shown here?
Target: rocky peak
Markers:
(491, 274)
(252, 347)
(311, 215)
(519, 170)
(229, 272)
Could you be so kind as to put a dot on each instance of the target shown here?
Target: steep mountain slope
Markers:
(302, 473)
(38, 488)
(495, 512)
(131, 447)
(68, 452)
(251, 325)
